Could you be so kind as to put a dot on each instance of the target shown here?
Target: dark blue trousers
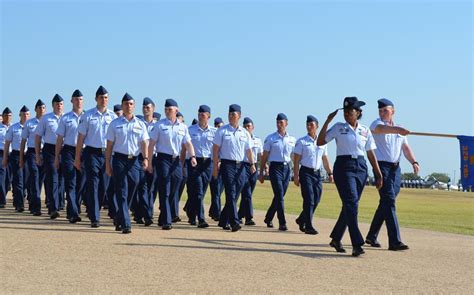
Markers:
(3, 191)
(34, 180)
(386, 210)
(126, 173)
(144, 208)
(174, 202)
(279, 178)
(311, 190)
(51, 179)
(97, 181)
(169, 174)
(246, 206)
(350, 176)
(17, 183)
(198, 181)
(70, 180)
(233, 177)
(111, 200)
(217, 188)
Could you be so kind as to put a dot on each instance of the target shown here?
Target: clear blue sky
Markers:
(294, 57)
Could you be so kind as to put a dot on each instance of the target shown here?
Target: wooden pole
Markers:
(433, 134)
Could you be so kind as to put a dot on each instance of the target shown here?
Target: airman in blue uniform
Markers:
(4, 171)
(391, 141)
(308, 175)
(34, 174)
(350, 169)
(202, 138)
(92, 130)
(168, 137)
(278, 149)
(246, 204)
(13, 139)
(231, 143)
(46, 131)
(65, 152)
(215, 185)
(127, 136)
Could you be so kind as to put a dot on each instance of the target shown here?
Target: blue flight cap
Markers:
(194, 122)
(127, 97)
(352, 102)
(77, 93)
(218, 120)
(311, 118)
(247, 120)
(101, 91)
(383, 102)
(7, 111)
(204, 109)
(57, 98)
(281, 116)
(235, 108)
(39, 103)
(170, 103)
(24, 109)
(157, 115)
(147, 101)
(117, 108)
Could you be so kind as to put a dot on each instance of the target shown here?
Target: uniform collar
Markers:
(310, 138)
(106, 112)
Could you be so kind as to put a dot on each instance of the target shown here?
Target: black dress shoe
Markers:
(148, 222)
(72, 220)
(203, 224)
(226, 227)
(21, 209)
(311, 231)
(166, 227)
(269, 223)
(301, 224)
(236, 227)
(337, 245)
(216, 218)
(192, 222)
(176, 219)
(127, 230)
(2, 206)
(357, 251)
(372, 243)
(250, 222)
(118, 228)
(95, 224)
(139, 221)
(399, 247)
(54, 215)
(282, 227)
(37, 213)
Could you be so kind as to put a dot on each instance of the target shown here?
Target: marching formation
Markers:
(119, 162)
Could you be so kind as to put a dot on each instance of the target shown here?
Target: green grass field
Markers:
(435, 210)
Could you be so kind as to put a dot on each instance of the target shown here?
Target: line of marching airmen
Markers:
(120, 162)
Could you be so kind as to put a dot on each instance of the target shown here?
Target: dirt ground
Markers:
(43, 256)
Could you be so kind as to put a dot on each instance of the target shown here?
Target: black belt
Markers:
(233, 162)
(349, 157)
(167, 156)
(69, 147)
(93, 150)
(124, 156)
(311, 170)
(15, 152)
(1, 151)
(31, 150)
(49, 146)
(202, 159)
(391, 164)
(278, 163)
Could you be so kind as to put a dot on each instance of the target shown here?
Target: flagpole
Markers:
(433, 134)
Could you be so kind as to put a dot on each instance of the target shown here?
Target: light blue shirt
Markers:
(3, 134)
(202, 140)
(279, 147)
(14, 136)
(47, 127)
(233, 142)
(351, 142)
(389, 146)
(93, 125)
(311, 154)
(257, 149)
(169, 137)
(67, 128)
(29, 134)
(149, 127)
(127, 136)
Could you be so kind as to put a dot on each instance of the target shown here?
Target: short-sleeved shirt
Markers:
(202, 140)
(127, 136)
(28, 132)
(168, 137)
(257, 149)
(67, 128)
(47, 127)
(349, 141)
(3, 134)
(279, 147)
(14, 136)
(93, 125)
(311, 154)
(389, 146)
(233, 142)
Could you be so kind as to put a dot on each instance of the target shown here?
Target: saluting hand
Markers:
(332, 115)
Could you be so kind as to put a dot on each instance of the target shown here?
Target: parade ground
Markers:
(43, 256)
